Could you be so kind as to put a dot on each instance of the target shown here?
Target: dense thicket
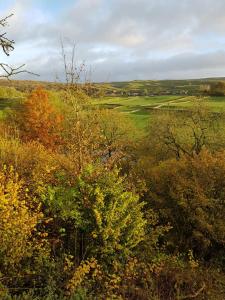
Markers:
(90, 211)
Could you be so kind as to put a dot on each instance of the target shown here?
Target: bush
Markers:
(189, 195)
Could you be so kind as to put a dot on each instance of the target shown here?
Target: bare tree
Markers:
(73, 71)
(78, 75)
(7, 46)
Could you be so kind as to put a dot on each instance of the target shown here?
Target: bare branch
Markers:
(5, 43)
(76, 73)
(7, 46)
(64, 60)
(10, 71)
(4, 22)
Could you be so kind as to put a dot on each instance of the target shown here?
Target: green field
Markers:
(141, 108)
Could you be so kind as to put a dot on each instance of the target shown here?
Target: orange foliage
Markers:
(39, 120)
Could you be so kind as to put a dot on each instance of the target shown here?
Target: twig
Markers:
(5, 43)
(7, 46)
(10, 71)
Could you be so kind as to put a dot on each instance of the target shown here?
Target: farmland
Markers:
(140, 108)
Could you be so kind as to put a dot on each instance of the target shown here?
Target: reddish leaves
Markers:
(40, 121)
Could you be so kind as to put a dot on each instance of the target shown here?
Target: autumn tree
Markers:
(189, 195)
(174, 134)
(217, 88)
(39, 120)
(93, 134)
(118, 134)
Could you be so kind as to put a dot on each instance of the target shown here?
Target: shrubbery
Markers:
(87, 213)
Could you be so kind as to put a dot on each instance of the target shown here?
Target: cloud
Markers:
(122, 39)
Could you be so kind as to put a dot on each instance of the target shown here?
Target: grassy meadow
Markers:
(140, 108)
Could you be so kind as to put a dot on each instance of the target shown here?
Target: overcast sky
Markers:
(119, 39)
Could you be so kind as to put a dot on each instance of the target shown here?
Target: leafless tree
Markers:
(73, 71)
(78, 75)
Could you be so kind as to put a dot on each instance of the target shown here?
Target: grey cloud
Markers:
(127, 39)
(192, 66)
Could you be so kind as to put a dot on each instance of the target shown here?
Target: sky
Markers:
(119, 40)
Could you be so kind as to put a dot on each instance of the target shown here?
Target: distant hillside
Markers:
(27, 85)
(159, 87)
(127, 88)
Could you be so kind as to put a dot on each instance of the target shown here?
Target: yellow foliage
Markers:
(192, 261)
(35, 164)
(81, 273)
(18, 219)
